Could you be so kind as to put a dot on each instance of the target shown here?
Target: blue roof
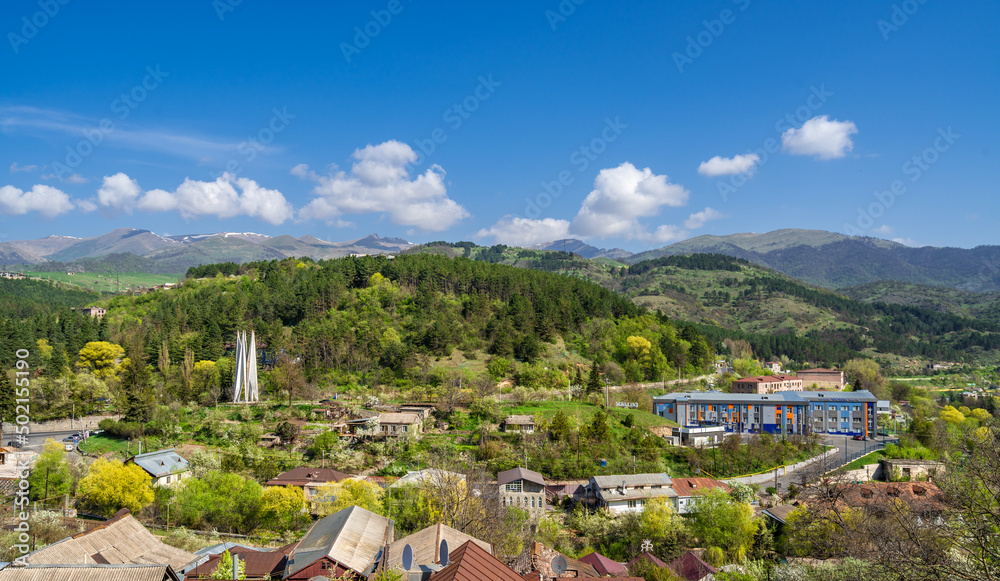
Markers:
(161, 462)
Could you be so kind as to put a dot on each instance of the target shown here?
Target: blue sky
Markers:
(519, 122)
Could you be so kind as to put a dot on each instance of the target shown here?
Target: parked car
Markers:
(70, 439)
(13, 444)
(859, 437)
(69, 447)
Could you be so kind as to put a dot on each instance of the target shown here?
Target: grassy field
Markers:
(108, 282)
(101, 444)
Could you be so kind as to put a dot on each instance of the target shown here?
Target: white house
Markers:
(165, 466)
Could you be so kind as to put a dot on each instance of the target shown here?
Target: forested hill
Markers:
(780, 316)
(773, 310)
(23, 298)
(373, 315)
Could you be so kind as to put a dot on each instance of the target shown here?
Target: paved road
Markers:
(37, 439)
(851, 446)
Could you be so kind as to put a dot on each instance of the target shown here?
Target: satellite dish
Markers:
(443, 553)
(559, 565)
(407, 557)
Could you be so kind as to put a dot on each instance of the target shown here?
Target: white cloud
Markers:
(821, 137)
(908, 242)
(724, 166)
(525, 231)
(226, 197)
(884, 229)
(379, 182)
(668, 233)
(698, 219)
(621, 196)
(14, 168)
(45, 200)
(118, 192)
(34, 120)
(86, 206)
(77, 179)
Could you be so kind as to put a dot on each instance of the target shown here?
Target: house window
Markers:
(514, 486)
(631, 504)
(532, 502)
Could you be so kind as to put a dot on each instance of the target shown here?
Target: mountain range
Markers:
(821, 258)
(831, 260)
(130, 249)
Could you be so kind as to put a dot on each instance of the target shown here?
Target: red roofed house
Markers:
(470, 562)
(308, 479)
(822, 378)
(690, 489)
(604, 566)
(690, 566)
(767, 384)
(645, 559)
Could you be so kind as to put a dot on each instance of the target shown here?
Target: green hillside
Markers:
(733, 298)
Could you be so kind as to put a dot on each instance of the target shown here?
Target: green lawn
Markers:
(872, 458)
(101, 444)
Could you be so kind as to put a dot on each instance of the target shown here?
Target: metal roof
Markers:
(160, 463)
(615, 494)
(303, 475)
(426, 545)
(432, 476)
(353, 537)
(631, 480)
(471, 563)
(515, 474)
(91, 572)
(121, 540)
(399, 418)
(522, 420)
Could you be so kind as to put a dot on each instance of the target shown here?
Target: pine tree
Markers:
(8, 405)
(578, 380)
(135, 386)
(594, 381)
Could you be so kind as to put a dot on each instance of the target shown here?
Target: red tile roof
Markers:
(306, 475)
(471, 563)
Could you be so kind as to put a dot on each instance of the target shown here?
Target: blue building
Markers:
(799, 412)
